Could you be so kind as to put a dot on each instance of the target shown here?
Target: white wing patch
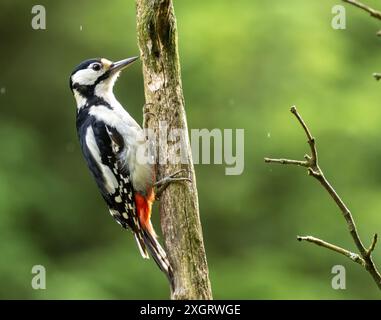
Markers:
(118, 118)
(109, 178)
(115, 146)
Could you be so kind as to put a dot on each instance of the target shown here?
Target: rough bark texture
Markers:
(179, 210)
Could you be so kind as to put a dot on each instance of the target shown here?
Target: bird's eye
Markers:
(96, 66)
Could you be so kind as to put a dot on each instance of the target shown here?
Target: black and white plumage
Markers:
(110, 140)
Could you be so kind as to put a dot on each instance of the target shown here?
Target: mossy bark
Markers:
(179, 209)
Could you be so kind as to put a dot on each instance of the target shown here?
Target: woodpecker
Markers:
(109, 139)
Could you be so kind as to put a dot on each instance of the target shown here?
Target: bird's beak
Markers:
(120, 65)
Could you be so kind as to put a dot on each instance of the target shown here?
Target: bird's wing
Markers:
(102, 146)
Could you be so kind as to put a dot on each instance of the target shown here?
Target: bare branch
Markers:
(374, 13)
(287, 161)
(351, 255)
(314, 170)
(311, 141)
(372, 246)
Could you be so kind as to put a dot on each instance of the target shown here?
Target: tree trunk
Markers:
(179, 210)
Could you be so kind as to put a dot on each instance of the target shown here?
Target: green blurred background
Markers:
(244, 63)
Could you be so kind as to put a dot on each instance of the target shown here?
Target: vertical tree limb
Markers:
(179, 209)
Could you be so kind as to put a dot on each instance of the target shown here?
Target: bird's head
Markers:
(96, 77)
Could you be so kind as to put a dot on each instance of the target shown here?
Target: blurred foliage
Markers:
(244, 63)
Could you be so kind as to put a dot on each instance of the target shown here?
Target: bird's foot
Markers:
(162, 184)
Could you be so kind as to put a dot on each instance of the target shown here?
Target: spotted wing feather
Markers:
(103, 147)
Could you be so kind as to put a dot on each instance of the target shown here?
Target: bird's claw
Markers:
(162, 184)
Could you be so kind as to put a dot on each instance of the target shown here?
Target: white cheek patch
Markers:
(85, 77)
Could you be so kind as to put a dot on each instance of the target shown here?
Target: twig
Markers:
(311, 163)
(351, 255)
(374, 13)
(372, 246)
(287, 161)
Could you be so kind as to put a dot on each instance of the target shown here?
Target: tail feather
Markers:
(159, 255)
(141, 245)
(146, 236)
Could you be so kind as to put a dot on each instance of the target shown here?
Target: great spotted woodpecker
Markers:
(109, 138)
